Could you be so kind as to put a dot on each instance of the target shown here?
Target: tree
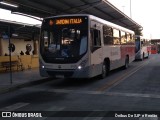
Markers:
(138, 32)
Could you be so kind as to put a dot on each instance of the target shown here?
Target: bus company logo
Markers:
(6, 114)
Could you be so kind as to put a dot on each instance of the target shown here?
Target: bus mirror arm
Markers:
(94, 48)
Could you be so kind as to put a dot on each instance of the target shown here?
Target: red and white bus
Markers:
(153, 49)
(83, 46)
(143, 47)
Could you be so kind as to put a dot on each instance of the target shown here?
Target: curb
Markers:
(27, 84)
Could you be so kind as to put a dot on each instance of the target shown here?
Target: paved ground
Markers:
(9, 82)
(133, 90)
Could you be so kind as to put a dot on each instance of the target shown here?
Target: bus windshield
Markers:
(63, 39)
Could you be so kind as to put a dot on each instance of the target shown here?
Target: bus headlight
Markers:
(82, 64)
(79, 67)
(43, 66)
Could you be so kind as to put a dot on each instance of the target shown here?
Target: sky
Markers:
(144, 12)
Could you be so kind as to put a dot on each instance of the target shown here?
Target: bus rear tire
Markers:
(148, 55)
(105, 70)
(126, 65)
(142, 57)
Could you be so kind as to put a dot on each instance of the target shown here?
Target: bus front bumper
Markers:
(77, 73)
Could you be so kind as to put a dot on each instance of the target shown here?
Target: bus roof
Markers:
(111, 24)
(96, 19)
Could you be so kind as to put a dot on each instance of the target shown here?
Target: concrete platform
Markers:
(20, 79)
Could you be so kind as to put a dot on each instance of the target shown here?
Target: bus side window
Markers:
(107, 35)
(116, 37)
(132, 39)
(123, 38)
(95, 37)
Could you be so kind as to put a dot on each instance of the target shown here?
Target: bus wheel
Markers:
(148, 55)
(105, 70)
(126, 62)
(142, 57)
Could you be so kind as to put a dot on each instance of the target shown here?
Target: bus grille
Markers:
(65, 73)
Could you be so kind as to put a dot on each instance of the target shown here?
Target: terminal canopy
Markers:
(45, 8)
(18, 30)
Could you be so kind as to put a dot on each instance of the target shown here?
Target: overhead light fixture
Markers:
(15, 35)
(8, 4)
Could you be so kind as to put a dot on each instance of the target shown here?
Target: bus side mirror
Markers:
(94, 48)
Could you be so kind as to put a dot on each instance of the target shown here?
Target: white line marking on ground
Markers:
(142, 95)
(14, 106)
(133, 95)
(106, 93)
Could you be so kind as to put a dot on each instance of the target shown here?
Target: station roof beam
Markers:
(99, 8)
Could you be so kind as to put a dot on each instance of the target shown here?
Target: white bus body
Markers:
(83, 46)
(143, 47)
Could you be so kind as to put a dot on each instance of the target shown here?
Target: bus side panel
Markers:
(114, 55)
(96, 51)
(96, 62)
(144, 51)
(128, 50)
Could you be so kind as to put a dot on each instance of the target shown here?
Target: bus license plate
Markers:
(59, 76)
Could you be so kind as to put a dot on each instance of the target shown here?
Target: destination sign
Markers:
(74, 20)
(66, 21)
